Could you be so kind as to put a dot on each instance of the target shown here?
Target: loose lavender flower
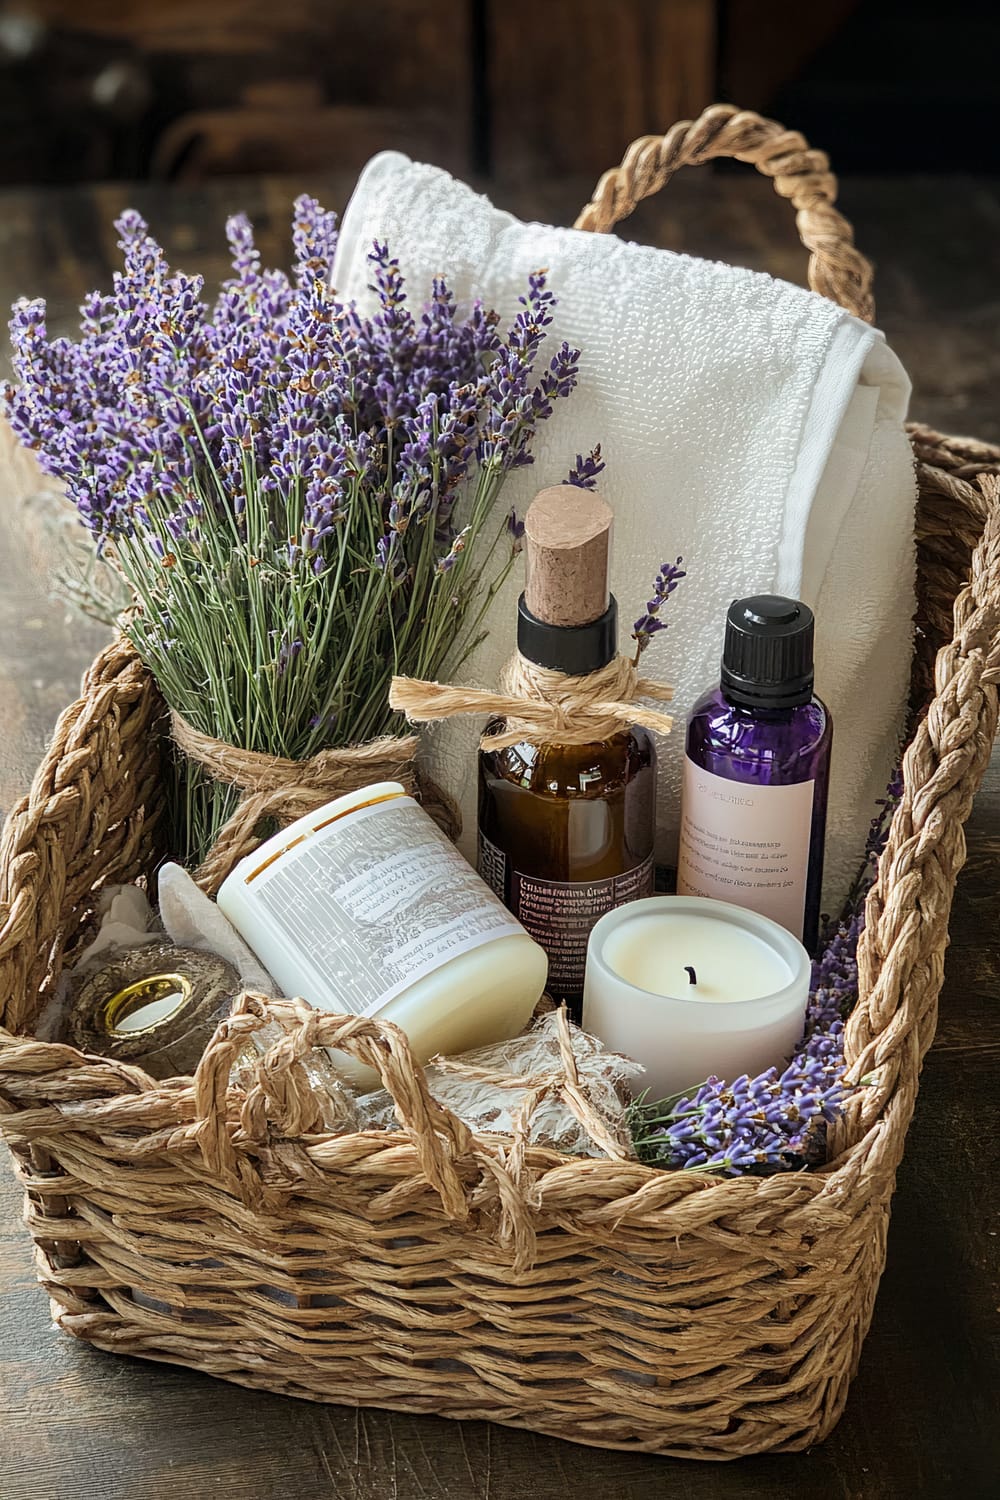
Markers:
(647, 625)
(878, 834)
(302, 499)
(515, 526)
(585, 471)
(774, 1122)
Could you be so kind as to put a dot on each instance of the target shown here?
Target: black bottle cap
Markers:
(767, 660)
(574, 649)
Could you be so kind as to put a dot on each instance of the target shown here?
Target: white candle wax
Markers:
(691, 988)
(150, 1014)
(694, 958)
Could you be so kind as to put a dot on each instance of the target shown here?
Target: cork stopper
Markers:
(567, 541)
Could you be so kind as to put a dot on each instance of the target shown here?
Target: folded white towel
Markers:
(748, 425)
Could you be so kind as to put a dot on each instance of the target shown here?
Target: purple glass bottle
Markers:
(757, 771)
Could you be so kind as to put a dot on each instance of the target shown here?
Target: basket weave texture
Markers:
(428, 1271)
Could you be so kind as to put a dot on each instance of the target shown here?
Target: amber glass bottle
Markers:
(566, 830)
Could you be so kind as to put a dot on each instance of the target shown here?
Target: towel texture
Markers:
(748, 425)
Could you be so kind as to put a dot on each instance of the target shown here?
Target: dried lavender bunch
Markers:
(301, 499)
(772, 1123)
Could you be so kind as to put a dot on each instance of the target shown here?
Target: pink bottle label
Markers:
(746, 844)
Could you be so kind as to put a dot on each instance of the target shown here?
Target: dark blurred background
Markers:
(171, 90)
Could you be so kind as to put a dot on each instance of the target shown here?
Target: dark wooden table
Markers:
(922, 1416)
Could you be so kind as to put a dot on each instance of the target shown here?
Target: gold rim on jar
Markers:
(136, 996)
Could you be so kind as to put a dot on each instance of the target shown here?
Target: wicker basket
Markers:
(427, 1271)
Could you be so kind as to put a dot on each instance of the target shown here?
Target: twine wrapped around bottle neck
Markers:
(537, 703)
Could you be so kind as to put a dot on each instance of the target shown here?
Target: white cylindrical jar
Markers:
(364, 907)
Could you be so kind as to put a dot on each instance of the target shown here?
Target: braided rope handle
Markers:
(902, 948)
(290, 1106)
(836, 268)
(80, 819)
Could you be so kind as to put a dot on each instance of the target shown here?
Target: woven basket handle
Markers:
(292, 1108)
(836, 269)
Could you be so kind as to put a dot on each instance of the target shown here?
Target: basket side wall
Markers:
(709, 1344)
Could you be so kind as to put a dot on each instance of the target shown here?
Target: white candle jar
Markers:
(693, 988)
(364, 907)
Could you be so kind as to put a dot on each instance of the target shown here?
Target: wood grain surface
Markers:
(592, 77)
(76, 1424)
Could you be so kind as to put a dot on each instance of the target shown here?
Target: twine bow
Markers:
(539, 703)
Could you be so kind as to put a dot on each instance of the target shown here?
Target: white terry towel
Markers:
(749, 426)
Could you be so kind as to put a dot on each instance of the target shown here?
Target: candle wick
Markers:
(692, 976)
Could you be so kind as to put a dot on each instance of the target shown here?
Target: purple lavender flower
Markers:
(289, 647)
(451, 557)
(515, 405)
(585, 471)
(664, 584)
(389, 557)
(875, 843)
(314, 239)
(244, 253)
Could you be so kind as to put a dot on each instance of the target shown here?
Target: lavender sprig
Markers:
(648, 623)
(878, 833)
(586, 469)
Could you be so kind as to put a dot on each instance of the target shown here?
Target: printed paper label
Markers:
(378, 900)
(560, 915)
(493, 866)
(746, 844)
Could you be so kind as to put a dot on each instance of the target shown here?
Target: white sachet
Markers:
(193, 920)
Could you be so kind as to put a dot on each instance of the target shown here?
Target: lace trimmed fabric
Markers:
(523, 1088)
